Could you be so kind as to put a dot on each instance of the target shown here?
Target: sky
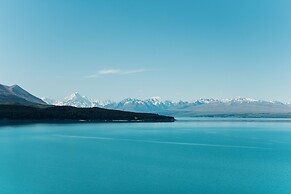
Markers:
(175, 49)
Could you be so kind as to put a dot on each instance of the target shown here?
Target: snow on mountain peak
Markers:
(204, 101)
(76, 100)
(155, 100)
(240, 99)
(131, 101)
(156, 104)
(75, 95)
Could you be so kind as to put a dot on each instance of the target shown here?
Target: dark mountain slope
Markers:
(16, 95)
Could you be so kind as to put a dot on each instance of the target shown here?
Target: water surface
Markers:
(188, 156)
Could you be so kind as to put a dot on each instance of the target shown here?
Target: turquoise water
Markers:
(201, 156)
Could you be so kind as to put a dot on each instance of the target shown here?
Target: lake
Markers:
(188, 156)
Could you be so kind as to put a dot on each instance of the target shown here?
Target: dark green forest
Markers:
(67, 114)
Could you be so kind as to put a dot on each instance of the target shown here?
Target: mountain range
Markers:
(18, 105)
(236, 107)
(200, 107)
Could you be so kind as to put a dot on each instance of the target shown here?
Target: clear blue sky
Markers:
(114, 49)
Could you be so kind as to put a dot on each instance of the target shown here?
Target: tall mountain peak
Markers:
(16, 95)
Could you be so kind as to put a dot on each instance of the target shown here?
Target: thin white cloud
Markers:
(135, 71)
(108, 72)
(117, 72)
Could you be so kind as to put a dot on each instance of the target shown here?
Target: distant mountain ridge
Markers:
(77, 100)
(19, 106)
(199, 107)
(16, 95)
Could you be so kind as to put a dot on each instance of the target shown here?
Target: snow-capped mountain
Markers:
(16, 95)
(130, 104)
(232, 106)
(76, 100)
(202, 106)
